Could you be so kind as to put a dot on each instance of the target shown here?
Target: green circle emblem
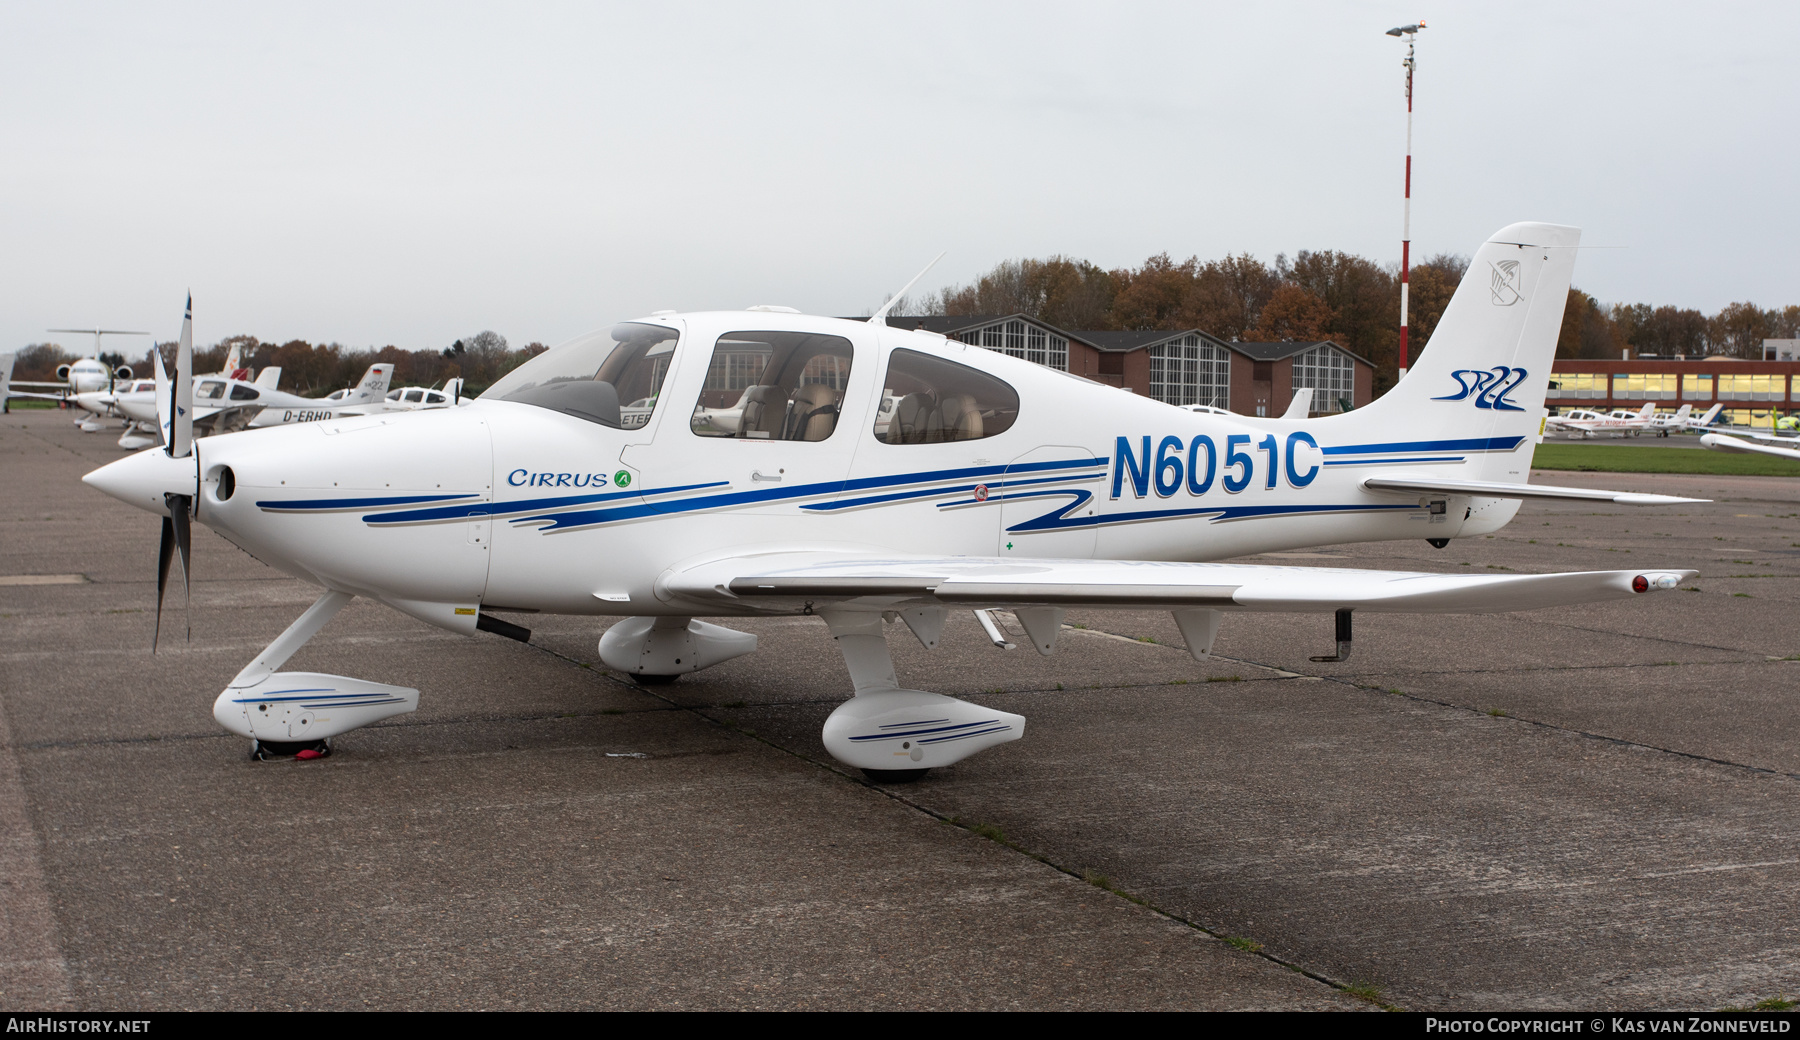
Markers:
(622, 478)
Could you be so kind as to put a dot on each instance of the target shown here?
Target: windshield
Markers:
(590, 376)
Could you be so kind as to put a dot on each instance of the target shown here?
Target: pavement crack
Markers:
(987, 833)
(1349, 681)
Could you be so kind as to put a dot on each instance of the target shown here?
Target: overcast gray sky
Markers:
(409, 174)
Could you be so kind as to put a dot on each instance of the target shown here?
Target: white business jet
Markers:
(994, 483)
(82, 383)
(1618, 422)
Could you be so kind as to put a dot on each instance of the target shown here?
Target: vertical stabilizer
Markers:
(1484, 374)
(374, 385)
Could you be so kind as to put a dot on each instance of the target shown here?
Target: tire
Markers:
(896, 776)
(263, 750)
(649, 679)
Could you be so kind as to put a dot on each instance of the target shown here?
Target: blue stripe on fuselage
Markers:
(1394, 447)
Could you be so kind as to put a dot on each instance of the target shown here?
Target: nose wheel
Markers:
(264, 750)
(895, 776)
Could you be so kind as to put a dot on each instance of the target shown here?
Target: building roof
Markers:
(1287, 348)
(1126, 342)
(952, 324)
(1113, 342)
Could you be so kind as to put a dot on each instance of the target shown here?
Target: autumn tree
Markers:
(1292, 313)
(37, 363)
(1738, 330)
(1432, 283)
(1364, 299)
(1587, 330)
(1155, 296)
(1067, 293)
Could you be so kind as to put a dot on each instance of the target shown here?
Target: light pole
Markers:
(1411, 35)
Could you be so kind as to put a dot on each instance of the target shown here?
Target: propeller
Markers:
(178, 440)
(177, 536)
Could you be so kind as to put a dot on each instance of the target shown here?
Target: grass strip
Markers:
(1598, 458)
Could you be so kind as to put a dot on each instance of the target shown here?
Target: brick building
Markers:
(1747, 389)
(1184, 367)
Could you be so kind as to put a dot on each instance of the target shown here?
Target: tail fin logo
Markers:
(1504, 283)
(1488, 387)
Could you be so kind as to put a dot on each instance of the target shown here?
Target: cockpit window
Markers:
(927, 400)
(589, 377)
(780, 386)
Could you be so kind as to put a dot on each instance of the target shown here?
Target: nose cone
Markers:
(143, 479)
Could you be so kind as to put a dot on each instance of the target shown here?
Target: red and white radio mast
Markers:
(1411, 33)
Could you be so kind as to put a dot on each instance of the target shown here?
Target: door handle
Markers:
(756, 475)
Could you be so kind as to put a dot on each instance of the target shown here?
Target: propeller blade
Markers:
(165, 400)
(163, 554)
(184, 542)
(181, 436)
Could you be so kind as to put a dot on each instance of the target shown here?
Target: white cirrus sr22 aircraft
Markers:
(987, 482)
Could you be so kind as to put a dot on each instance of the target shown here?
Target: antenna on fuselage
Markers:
(880, 316)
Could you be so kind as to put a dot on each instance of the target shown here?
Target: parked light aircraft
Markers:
(995, 483)
(1756, 444)
(1587, 422)
(223, 404)
(1682, 420)
(414, 398)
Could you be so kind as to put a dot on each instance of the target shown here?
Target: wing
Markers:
(786, 581)
(1720, 442)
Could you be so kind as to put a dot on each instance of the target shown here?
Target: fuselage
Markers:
(516, 505)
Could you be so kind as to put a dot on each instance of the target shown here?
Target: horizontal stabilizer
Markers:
(788, 581)
(1497, 489)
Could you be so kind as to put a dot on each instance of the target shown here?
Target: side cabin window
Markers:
(928, 400)
(212, 390)
(611, 378)
(773, 386)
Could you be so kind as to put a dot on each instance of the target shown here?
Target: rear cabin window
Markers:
(773, 386)
(927, 400)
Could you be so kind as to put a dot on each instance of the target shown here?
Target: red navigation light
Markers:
(1640, 584)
